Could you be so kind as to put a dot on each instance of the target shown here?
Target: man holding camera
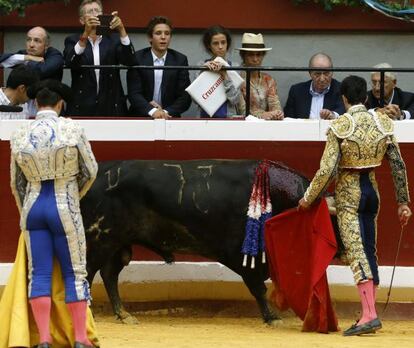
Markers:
(98, 92)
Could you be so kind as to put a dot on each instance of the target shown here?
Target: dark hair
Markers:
(157, 20)
(22, 75)
(354, 88)
(215, 30)
(46, 97)
(52, 91)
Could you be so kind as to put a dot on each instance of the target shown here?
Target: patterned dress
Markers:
(356, 143)
(263, 97)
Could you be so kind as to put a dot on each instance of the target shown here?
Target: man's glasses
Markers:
(375, 83)
(93, 11)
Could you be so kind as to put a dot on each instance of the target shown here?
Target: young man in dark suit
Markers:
(398, 104)
(97, 92)
(318, 98)
(159, 93)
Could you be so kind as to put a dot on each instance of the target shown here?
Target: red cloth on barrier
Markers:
(300, 246)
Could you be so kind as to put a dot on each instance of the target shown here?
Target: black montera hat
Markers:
(56, 86)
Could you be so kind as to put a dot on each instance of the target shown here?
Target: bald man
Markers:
(38, 55)
(318, 98)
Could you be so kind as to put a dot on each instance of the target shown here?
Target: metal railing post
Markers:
(247, 111)
(382, 91)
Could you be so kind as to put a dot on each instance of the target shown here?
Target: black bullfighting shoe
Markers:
(44, 345)
(82, 345)
(367, 328)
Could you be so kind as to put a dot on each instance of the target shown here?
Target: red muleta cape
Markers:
(300, 245)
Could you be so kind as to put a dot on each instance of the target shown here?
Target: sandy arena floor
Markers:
(182, 331)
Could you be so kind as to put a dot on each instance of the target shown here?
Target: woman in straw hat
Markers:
(264, 101)
(217, 41)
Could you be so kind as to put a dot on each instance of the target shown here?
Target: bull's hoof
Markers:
(128, 319)
(275, 322)
(272, 318)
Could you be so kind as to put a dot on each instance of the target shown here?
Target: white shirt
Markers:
(12, 115)
(157, 80)
(13, 60)
(317, 103)
(96, 54)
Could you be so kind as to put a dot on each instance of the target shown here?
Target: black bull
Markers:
(197, 207)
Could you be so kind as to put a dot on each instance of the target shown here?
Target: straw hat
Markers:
(253, 42)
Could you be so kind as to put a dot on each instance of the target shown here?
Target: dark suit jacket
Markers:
(299, 101)
(405, 100)
(174, 82)
(111, 100)
(51, 68)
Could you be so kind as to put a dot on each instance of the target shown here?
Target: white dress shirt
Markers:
(12, 115)
(96, 54)
(13, 60)
(317, 103)
(157, 80)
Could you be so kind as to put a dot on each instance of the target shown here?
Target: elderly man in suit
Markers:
(398, 104)
(47, 61)
(97, 92)
(159, 93)
(318, 98)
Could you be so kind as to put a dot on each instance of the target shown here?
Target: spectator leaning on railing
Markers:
(217, 42)
(318, 98)
(398, 105)
(97, 92)
(39, 56)
(159, 93)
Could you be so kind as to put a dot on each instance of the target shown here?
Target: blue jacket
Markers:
(51, 68)
(299, 101)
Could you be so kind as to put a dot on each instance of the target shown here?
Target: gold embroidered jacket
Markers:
(356, 140)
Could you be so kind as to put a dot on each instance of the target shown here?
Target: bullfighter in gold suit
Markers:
(356, 143)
